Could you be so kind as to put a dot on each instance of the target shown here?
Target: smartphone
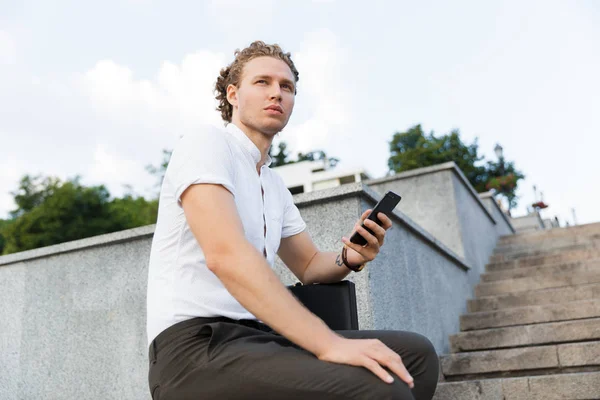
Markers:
(386, 205)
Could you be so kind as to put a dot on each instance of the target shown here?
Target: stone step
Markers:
(557, 295)
(530, 315)
(536, 235)
(586, 273)
(577, 386)
(546, 247)
(534, 253)
(581, 230)
(536, 359)
(578, 254)
(526, 335)
(542, 270)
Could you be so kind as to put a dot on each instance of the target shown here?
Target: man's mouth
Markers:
(273, 109)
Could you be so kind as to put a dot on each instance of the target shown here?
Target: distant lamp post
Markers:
(498, 151)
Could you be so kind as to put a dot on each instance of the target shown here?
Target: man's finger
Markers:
(374, 226)
(364, 216)
(396, 367)
(371, 239)
(375, 368)
(385, 220)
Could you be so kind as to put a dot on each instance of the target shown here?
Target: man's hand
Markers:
(357, 254)
(369, 353)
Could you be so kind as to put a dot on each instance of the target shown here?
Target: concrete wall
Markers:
(73, 315)
(503, 225)
(528, 223)
(73, 319)
(442, 201)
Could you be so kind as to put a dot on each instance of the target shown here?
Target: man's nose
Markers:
(275, 92)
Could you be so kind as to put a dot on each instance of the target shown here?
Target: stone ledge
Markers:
(94, 241)
(490, 195)
(301, 200)
(363, 190)
(451, 165)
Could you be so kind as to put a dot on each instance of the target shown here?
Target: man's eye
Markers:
(289, 87)
(262, 80)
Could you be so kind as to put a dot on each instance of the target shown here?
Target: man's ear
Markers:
(232, 95)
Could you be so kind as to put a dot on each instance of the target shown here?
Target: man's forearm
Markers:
(326, 267)
(247, 276)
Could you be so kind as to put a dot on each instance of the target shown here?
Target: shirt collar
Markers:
(247, 144)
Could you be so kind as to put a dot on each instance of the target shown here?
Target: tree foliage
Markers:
(415, 149)
(50, 212)
(282, 156)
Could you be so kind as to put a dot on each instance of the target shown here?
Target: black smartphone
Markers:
(386, 205)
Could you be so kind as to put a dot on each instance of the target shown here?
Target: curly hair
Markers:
(231, 75)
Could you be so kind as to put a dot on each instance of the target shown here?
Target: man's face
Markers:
(265, 82)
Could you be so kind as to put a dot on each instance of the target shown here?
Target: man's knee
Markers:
(424, 345)
(415, 345)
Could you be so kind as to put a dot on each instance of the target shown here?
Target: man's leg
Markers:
(230, 361)
(417, 353)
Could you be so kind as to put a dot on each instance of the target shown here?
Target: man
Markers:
(220, 323)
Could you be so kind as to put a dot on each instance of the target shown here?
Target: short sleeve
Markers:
(292, 220)
(201, 157)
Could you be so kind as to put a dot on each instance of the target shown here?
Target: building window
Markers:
(347, 179)
(297, 189)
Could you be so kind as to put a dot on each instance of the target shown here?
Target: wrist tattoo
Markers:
(338, 260)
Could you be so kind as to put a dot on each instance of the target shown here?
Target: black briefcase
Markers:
(334, 303)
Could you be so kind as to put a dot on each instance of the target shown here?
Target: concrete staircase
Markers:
(533, 329)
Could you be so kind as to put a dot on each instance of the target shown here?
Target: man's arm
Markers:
(245, 273)
(310, 265)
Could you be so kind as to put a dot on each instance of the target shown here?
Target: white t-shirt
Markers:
(180, 286)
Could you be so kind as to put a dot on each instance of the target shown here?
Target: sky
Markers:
(98, 89)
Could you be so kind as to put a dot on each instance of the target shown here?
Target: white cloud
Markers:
(146, 115)
(115, 172)
(179, 93)
(241, 14)
(537, 94)
(180, 97)
(8, 51)
(322, 94)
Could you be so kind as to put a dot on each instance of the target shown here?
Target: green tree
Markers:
(281, 158)
(415, 149)
(33, 191)
(317, 155)
(130, 212)
(50, 212)
(3, 224)
(503, 177)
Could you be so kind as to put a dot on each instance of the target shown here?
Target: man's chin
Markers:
(272, 127)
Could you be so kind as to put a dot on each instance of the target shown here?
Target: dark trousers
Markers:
(219, 358)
